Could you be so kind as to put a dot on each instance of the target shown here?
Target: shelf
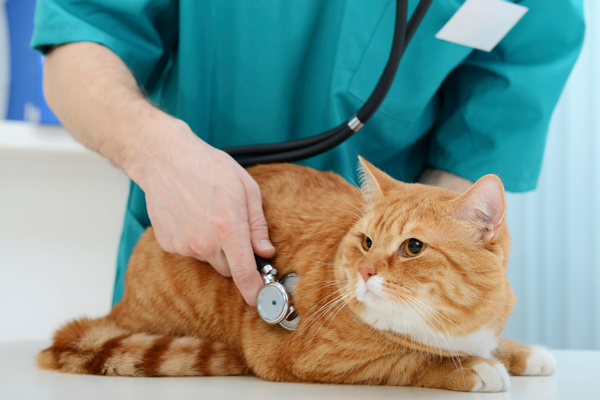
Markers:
(27, 137)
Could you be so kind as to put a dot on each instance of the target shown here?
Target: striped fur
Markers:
(100, 347)
(433, 320)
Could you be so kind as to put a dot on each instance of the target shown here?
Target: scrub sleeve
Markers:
(463, 111)
(497, 105)
(143, 34)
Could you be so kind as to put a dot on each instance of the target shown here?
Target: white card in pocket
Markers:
(481, 24)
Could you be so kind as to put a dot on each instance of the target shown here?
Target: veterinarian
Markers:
(158, 86)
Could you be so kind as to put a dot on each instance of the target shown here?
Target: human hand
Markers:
(203, 204)
(437, 177)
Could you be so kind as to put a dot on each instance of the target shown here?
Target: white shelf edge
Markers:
(27, 137)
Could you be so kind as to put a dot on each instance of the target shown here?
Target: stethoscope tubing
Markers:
(312, 146)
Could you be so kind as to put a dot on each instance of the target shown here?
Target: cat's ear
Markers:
(484, 205)
(374, 181)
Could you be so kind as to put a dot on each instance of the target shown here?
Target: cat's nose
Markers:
(366, 273)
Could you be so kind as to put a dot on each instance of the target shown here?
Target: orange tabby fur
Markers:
(179, 317)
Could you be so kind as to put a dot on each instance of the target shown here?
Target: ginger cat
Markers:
(400, 284)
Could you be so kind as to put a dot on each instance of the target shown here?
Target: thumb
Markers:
(259, 232)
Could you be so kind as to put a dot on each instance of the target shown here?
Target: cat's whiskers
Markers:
(339, 308)
(342, 223)
(329, 283)
(326, 307)
(322, 312)
(447, 317)
(343, 209)
(471, 294)
(358, 186)
(319, 262)
(341, 198)
(319, 282)
(454, 354)
(428, 297)
(345, 303)
(366, 184)
(422, 326)
(305, 322)
(433, 313)
(324, 299)
(451, 346)
(417, 207)
(368, 201)
(395, 289)
(492, 301)
(493, 322)
(395, 308)
(440, 306)
(427, 324)
(453, 324)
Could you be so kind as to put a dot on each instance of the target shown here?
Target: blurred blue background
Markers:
(22, 67)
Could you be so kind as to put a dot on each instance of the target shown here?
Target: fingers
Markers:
(243, 269)
(233, 232)
(225, 228)
(259, 231)
(250, 236)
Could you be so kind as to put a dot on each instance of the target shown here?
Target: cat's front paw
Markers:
(539, 362)
(490, 378)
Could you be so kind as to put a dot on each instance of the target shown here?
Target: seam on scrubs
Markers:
(94, 36)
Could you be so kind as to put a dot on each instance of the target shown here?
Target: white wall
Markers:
(60, 221)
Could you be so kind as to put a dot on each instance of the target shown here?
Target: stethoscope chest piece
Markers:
(274, 299)
(290, 322)
(273, 302)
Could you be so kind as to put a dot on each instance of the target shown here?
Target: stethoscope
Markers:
(274, 302)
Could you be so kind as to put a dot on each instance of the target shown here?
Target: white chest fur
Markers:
(414, 320)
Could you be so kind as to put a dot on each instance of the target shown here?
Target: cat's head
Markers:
(429, 263)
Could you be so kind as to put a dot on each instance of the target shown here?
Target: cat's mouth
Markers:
(370, 291)
(373, 296)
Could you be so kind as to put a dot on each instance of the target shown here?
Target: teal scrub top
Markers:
(262, 71)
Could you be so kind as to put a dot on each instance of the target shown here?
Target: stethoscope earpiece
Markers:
(274, 298)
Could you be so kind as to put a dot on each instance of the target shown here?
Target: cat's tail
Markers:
(100, 347)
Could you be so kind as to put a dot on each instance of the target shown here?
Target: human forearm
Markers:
(98, 100)
(436, 177)
(496, 106)
(201, 203)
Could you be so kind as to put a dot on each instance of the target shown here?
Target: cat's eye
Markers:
(367, 242)
(413, 247)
